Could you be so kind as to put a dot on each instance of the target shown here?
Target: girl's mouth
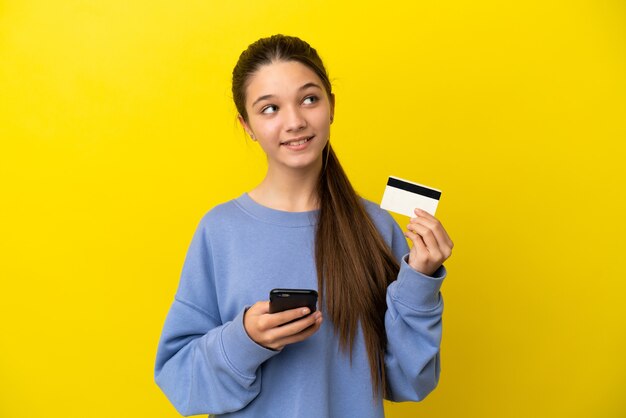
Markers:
(297, 142)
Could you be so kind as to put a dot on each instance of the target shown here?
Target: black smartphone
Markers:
(284, 299)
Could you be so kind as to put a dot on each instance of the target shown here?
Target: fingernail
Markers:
(305, 311)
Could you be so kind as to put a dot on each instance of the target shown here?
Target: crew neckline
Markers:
(275, 216)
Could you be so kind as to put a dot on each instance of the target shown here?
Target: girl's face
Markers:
(289, 114)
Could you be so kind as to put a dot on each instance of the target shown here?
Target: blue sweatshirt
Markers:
(207, 364)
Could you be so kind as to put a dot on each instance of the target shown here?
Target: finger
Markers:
(282, 332)
(418, 242)
(419, 254)
(280, 318)
(303, 335)
(439, 252)
(299, 324)
(425, 215)
(428, 237)
(438, 230)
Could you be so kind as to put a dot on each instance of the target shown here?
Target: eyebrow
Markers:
(303, 87)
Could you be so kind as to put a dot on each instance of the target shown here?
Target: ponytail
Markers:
(354, 267)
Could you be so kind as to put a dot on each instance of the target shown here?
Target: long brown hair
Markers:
(354, 264)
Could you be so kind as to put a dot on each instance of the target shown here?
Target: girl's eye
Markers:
(310, 100)
(269, 109)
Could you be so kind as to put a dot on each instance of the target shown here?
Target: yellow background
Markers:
(117, 133)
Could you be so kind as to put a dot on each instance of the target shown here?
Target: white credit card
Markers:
(403, 196)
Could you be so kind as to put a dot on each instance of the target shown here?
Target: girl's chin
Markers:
(302, 162)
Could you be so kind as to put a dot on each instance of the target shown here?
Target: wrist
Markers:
(424, 269)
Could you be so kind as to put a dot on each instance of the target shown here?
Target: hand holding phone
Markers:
(285, 320)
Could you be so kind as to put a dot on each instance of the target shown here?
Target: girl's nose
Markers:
(295, 120)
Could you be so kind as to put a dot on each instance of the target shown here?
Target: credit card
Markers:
(403, 196)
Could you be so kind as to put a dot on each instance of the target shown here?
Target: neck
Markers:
(287, 189)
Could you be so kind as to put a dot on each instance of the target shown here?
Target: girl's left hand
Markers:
(431, 243)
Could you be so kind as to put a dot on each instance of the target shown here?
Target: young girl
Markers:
(377, 331)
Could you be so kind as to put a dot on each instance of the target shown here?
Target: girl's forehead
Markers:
(280, 77)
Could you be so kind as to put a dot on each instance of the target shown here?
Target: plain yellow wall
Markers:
(117, 133)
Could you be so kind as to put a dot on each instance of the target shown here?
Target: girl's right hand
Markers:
(273, 332)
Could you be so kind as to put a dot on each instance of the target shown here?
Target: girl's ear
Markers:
(332, 107)
(246, 127)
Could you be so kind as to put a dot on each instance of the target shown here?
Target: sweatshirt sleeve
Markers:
(413, 326)
(205, 366)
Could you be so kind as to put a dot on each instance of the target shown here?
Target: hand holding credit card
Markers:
(403, 196)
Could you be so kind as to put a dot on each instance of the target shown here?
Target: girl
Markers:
(378, 330)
